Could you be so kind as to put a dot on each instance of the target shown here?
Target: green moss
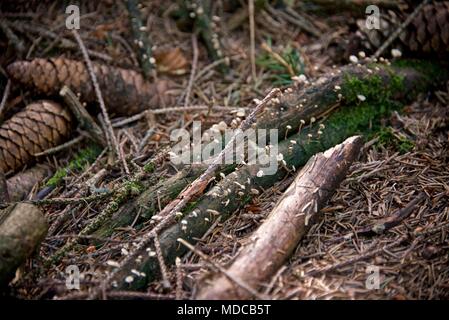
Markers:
(373, 88)
(386, 137)
(278, 73)
(134, 188)
(149, 167)
(82, 158)
(433, 70)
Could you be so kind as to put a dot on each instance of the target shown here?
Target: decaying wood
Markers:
(20, 185)
(141, 37)
(291, 111)
(22, 228)
(390, 221)
(40, 126)
(288, 222)
(125, 91)
(85, 121)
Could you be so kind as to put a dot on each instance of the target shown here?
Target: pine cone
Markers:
(428, 33)
(124, 91)
(40, 126)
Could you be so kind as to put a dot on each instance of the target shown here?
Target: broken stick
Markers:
(289, 221)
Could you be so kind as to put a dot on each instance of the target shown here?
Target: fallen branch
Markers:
(389, 222)
(141, 37)
(294, 110)
(380, 92)
(288, 222)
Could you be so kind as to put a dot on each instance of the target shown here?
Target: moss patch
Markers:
(82, 158)
(387, 137)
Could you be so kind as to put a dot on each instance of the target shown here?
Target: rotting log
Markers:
(141, 37)
(295, 110)
(22, 228)
(367, 99)
(296, 211)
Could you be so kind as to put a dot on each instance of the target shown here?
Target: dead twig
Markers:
(4, 99)
(192, 71)
(252, 38)
(399, 30)
(110, 130)
(85, 121)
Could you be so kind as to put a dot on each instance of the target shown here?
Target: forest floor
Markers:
(408, 156)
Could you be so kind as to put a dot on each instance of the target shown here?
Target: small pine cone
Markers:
(40, 126)
(428, 33)
(124, 91)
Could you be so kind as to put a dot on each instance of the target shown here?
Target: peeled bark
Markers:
(22, 228)
(296, 211)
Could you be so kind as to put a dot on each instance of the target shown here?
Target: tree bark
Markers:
(295, 109)
(382, 92)
(292, 217)
(22, 228)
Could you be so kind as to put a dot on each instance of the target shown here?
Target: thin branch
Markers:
(399, 30)
(4, 99)
(61, 147)
(162, 265)
(93, 77)
(252, 38)
(193, 70)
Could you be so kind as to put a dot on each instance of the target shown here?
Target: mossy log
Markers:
(291, 218)
(296, 109)
(22, 228)
(238, 188)
(197, 14)
(141, 37)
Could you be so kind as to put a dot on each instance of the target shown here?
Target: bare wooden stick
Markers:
(399, 30)
(192, 71)
(252, 38)
(110, 130)
(289, 221)
(4, 99)
(85, 121)
(61, 147)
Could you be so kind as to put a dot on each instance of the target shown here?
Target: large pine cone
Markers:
(40, 126)
(124, 91)
(428, 33)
